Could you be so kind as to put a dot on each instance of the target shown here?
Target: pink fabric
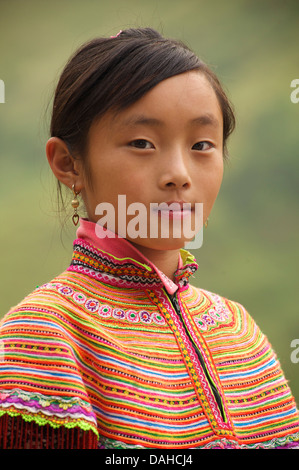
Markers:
(121, 248)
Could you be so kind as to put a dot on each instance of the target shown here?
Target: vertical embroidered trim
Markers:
(208, 359)
(199, 379)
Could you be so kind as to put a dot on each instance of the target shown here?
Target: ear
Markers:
(65, 167)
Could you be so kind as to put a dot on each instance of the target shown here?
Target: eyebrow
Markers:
(142, 120)
(205, 120)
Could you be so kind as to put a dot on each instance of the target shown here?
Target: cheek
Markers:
(108, 182)
(209, 184)
(215, 183)
(210, 177)
(216, 179)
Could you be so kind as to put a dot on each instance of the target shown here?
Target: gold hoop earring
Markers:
(207, 223)
(75, 205)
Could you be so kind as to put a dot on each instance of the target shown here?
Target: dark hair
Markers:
(113, 73)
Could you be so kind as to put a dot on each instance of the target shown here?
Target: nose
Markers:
(174, 171)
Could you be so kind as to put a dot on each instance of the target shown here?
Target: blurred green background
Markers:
(250, 250)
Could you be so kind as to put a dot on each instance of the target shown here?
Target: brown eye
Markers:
(204, 145)
(141, 144)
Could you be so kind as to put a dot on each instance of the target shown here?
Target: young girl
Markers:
(120, 350)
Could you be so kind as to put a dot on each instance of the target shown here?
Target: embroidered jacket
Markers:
(113, 354)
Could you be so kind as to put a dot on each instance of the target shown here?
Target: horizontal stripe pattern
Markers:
(81, 351)
(258, 397)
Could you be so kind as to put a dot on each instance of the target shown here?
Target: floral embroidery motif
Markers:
(92, 305)
(105, 311)
(145, 317)
(118, 313)
(157, 318)
(133, 316)
(65, 290)
(79, 298)
(213, 317)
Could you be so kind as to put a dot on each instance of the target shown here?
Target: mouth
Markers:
(174, 209)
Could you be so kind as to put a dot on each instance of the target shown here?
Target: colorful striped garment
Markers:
(113, 354)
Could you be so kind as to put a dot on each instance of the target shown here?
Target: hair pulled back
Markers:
(110, 74)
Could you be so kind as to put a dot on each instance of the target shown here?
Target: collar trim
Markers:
(115, 260)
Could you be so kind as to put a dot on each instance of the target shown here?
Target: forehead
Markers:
(189, 85)
(179, 100)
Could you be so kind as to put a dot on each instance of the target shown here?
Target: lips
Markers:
(174, 209)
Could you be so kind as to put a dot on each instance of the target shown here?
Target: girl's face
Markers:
(167, 147)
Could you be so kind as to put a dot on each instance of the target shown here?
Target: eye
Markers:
(204, 145)
(141, 144)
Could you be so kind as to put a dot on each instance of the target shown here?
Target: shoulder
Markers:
(62, 311)
(48, 302)
(45, 313)
(226, 325)
(37, 324)
(229, 330)
(211, 310)
(38, 300)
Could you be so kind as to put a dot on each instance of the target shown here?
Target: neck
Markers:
(165, 260)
